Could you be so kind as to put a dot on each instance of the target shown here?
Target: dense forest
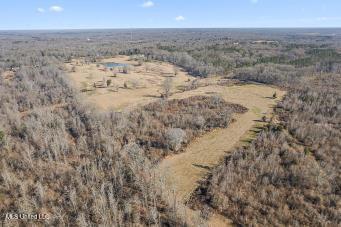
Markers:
(62, 157)
(290, 174)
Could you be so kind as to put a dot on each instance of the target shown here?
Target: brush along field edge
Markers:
(183, 172)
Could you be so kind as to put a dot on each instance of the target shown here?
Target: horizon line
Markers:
(151, 28)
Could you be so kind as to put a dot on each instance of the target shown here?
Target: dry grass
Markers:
(183, 172)
(7, 75)
(289, 175)
(144, 82)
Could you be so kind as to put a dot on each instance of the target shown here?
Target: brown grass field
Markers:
(181, 172)
(144, 82)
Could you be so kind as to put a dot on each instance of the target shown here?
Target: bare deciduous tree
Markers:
(175, 137)
(167, 87)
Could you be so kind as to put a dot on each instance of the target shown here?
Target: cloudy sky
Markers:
(78, 14)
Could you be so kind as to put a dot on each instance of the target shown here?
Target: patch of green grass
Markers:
(256, 110)
(252, 134)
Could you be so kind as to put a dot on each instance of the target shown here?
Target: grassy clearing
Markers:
(183, 172)
(141, 84)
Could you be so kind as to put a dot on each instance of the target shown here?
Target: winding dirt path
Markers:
(182, 172)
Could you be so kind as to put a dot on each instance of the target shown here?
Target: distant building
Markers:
(264, 42)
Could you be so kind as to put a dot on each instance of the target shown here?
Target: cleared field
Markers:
(143, 83)
(206, 151)
(183, 172)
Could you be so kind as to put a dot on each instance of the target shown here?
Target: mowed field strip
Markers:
(182, 172)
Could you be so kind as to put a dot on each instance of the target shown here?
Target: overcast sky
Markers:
(78, 14)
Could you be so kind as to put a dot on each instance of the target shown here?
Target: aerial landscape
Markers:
(186, 122)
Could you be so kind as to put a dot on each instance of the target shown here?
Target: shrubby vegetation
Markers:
(290, 174)
(67, 161)
(61, 157)
(159, 126)
(282, 75)
(275, 183)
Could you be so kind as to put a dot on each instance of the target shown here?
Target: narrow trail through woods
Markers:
(182, 172)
